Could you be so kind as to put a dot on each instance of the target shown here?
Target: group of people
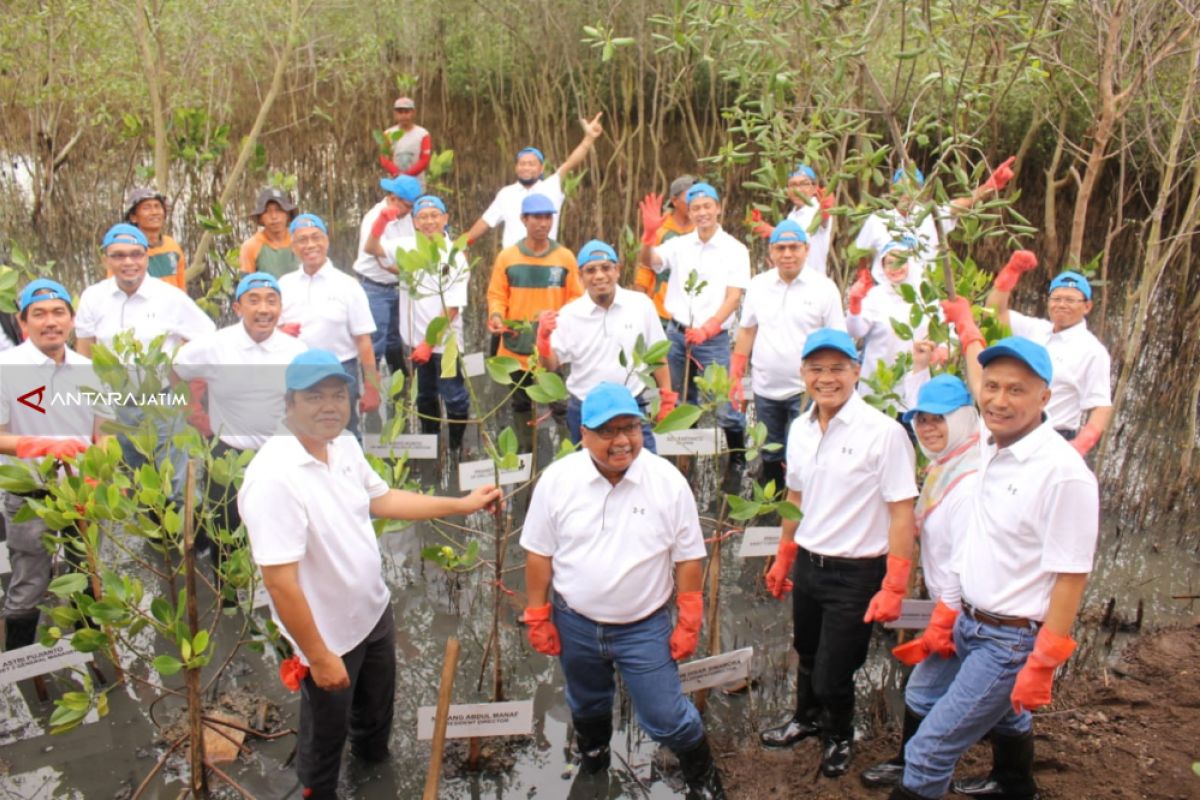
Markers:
(1006, 514)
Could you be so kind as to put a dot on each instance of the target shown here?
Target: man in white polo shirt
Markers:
(385, 226)
(850, 471)
(331, 310)
(307, 500)
(700, 320)
(782, 306)
(615, 529)
(61, 430)
(592, 332)
(1022, 566)
(1081, 391)
(530, 172)
(809, 201)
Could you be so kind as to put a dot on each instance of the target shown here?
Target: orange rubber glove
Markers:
(958, 313)
(370, 399)
(542, 633)
(652, 218)
(39, 446)
(422, 353)
(737, 371)
(1001, 176)
(292, 673)
(759, 227)
(779, 580)
(885, 605)
(1085, 440)
(547, 324)
(687, 625)
(1020, 262)
(290, 328)
(389, 166)
(667, 403)
(1034, 681)
(937, 638)
(708, 330)
(385, 218)
(859, 290)
(827, 202)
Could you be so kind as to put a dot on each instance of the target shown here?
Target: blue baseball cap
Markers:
(702, 190)
(830, 339)
(124, 233)
(429, 201)
(901, 175)
(805, 170)
(1031, 354)
(1072, 280)
(788, 231)
(308, 221)
(256, 280)
(313, 366)
(905, 243)
(406, 187)
(941, 395)
(596, 250)
(538, 204)
(42, 289)
(606, 401)
(528, 151)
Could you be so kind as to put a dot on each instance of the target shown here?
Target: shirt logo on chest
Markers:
(847, 451)
(1011, 489)
(637, 510)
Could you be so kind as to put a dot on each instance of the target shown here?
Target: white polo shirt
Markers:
(941, 535)
(846, 477)
(722, 262)
(506, 208)
(614, 548)
(330, 306)
(154, 309)
(784, 314)
(419, 308)
(888, 225)
(1036, 514)
(818, 240)
(299, 510)
(68, 413)
(874, 328)
(245, 381)
(1082, 367)
(370, 266)
(591, 339)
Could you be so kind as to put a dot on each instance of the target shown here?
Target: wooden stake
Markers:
(198, 778)
(449, 665)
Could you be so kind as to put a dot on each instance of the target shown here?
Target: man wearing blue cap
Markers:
(383, 228)
(614, 528)
(530, 168)
(850, 471)
(593, 333)
(810, 210)
(307, 500)
(700, 320)
(1081, 392)
(783, 306)
(39, 371)
(1021, 570)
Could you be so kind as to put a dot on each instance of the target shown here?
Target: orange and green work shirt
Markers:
(259, 254)
(654, 284)
(523, 285)
(167, 263)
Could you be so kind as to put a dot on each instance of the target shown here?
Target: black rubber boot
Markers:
(900, 793)
(1012, 771)
(837, 741)
(889, 773)
(430, 425)
(458, 429)
(700, 773)
(772, 472)
(20, 631)
(803, 723)
(592, 737)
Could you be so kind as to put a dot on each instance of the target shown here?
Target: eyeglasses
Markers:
(610, 432)
(315, 238)
(1061, 300)
(837, 371)
(126, 255)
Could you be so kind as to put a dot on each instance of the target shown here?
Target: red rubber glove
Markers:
(39, 446)
(292, 673)
(885, 605)
(547, 324)
(937, 638)
(778, 581)
(1000, 176)
(370, 399)
(667, 402)
(1020, 262)
(759, 227)
(958, 313)
(1085, 440)
(542, 633)
(652, 218)
(290, 328)
(389, 166)
(859, 290)
(737, 371)
(827, 202)
(197, 416)
(386, 215)
(422, 353)
(687, 625)
(1032, 689)
(708, 330)
(941, 354)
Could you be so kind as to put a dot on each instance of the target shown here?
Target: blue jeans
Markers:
(385, 310)
(642, 651)
(166, 427)
(431, 384)
(975, 703)
(929, 681)
(777, 415)
(714, 351)
(574, 415)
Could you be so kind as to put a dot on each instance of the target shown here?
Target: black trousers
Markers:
(828, 603)
(362, 713)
